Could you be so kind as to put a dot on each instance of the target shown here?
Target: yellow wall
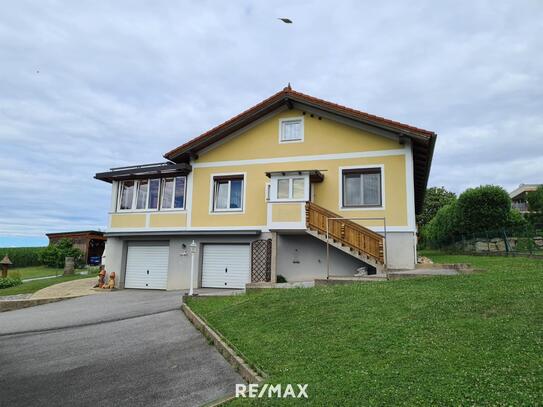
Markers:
(320, 137)
(282, 212)
(167, 220)
(133, 220)
(261, 142)
(326, 193)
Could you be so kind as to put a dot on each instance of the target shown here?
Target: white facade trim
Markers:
(410, 186)
(188, 198)
(263, 228)
(321, 157)
(362, 208)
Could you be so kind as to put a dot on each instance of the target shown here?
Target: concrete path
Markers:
(128, 348)
(69, 289)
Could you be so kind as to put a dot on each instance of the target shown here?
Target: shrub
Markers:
(10, 282)
(54, 254)
(281, 279)
(434, 199)
(22, 256)
(443, 228)
(487, 207)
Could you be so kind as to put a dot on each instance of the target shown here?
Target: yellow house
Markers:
(294, 186)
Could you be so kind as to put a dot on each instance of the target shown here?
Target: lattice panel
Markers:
(261, 261)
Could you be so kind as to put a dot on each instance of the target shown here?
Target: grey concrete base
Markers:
(251, 287)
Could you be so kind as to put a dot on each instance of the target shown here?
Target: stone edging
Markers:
(11, 305)
(240, 365)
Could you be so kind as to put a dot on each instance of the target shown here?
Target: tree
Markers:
(54, 254)
(535, 204)
(435, 199)
(485, 208)
(442, 229)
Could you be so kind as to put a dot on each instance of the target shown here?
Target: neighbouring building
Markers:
(259, 193)
(518, 196)
(90, 242)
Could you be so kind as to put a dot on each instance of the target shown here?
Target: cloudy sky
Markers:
(85, 86)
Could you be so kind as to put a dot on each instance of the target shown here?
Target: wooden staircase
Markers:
(346, 235)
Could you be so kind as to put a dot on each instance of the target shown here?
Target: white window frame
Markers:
(163, 185)
(362, 208)
(274, 183)
(290, 119)
(160, 194)
(134, 196)
(225, 211)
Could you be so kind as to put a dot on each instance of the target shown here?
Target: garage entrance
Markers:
(147, 266)
(226, 265)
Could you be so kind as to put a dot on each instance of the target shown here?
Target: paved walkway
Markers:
(69, 289)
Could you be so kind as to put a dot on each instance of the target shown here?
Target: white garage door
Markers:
(147, 267)
(226, 266)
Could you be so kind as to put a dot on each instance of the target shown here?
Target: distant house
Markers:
(90, 242)
(518, 196)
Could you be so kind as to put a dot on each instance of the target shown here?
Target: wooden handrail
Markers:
(349, 233)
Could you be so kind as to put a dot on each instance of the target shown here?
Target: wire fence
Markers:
(506, 241)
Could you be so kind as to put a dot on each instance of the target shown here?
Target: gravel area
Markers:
(15, 297)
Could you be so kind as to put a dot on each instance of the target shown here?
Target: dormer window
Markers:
(291, 130)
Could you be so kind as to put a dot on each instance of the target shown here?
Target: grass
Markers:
(461, 340)
(35, 271)
(33, 286)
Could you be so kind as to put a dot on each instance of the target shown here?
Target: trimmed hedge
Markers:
(22, 256)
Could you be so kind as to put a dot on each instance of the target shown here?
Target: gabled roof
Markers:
(423, 141)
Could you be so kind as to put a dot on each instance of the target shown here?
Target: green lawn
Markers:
(33, 286)
(461, 340)
(35, 271)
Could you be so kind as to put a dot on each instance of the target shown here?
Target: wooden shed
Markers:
(90, 242)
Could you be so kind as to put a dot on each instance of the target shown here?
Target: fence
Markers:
(518, 241)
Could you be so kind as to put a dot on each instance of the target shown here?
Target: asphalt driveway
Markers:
(132, 348)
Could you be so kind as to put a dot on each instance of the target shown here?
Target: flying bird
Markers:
(285, 20)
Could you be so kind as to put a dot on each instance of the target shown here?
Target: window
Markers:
(154, 189)
(144, 194)
(127, 195)
(362, 187)
(291, 130)
(173, 193)
(228, 193)
(141, 200)
(291, 188)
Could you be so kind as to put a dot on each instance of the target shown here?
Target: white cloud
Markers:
(90, 85)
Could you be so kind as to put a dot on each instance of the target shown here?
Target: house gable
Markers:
(321, 136)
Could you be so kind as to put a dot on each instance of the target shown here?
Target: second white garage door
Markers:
(147, 266)
(226, 266)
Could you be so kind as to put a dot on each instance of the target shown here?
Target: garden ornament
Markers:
(101, 277)
(111, 282)
(6, 262)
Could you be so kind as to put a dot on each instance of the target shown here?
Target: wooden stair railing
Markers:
(345, 231)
